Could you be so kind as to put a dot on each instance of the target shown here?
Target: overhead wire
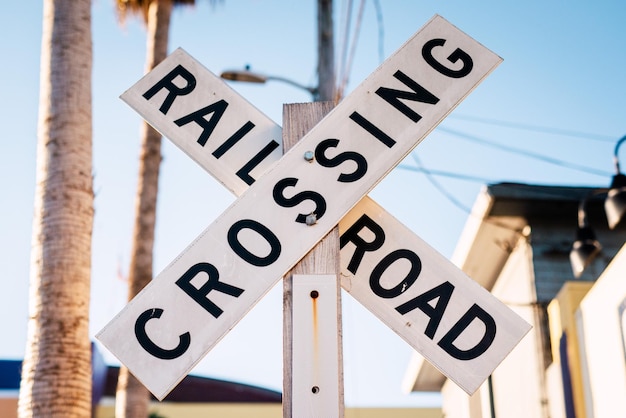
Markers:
(535, 128)
(430, 174)
(441, 173)
(456, 202)
(344, 69)
(519, 151)
(345, 35)
(349, 59)
(348, 49)
(438, 186)
(381, 30)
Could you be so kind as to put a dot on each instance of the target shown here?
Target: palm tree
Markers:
(132, 398)
(56, 373)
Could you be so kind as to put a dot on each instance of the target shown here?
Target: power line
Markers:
(381, 30)
(535, 128)
(456, 202)
(441, 173)
(345, 35)
(546, 159)
(355, 38)
(347, 57)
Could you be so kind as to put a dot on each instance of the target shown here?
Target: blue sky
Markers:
(549, 114)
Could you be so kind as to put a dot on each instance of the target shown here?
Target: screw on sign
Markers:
(166, 329)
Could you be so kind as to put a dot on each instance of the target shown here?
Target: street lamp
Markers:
(248, 76)
(615, 203)
(586, 247)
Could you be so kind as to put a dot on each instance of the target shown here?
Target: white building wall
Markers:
(457, 404)
(554, 384)
(516, 391)
(516, 382)
(601, 334)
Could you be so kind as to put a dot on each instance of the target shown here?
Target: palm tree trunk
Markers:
(56, 373)
(132, 398)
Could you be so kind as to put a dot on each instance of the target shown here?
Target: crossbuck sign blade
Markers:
(201, 295)
(367, 263)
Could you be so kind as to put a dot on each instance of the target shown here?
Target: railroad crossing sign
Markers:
(286, 205)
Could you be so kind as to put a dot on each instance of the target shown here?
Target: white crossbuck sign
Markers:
(287, 204)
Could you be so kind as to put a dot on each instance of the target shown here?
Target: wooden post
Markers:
(323, 259)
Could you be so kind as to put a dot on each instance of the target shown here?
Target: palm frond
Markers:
(140, 7)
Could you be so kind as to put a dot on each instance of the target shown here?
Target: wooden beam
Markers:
(298, 119)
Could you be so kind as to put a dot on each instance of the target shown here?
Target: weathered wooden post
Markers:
(312, 343)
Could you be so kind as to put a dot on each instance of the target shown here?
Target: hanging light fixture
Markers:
(615, 203)
(586, 247)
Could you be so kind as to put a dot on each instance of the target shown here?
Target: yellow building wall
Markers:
(189, 410)
(8, 409)
(562, 317)
(255, 410)
(394, 413)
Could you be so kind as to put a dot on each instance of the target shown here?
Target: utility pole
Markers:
(322, 262)
(325, 51)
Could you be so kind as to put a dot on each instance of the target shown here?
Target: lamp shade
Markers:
(615, 203)
(584, 250)
(243, 75)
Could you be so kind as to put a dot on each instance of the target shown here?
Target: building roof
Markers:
(502, 213)
(190, 390)
(500, 216)
(205, 390)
